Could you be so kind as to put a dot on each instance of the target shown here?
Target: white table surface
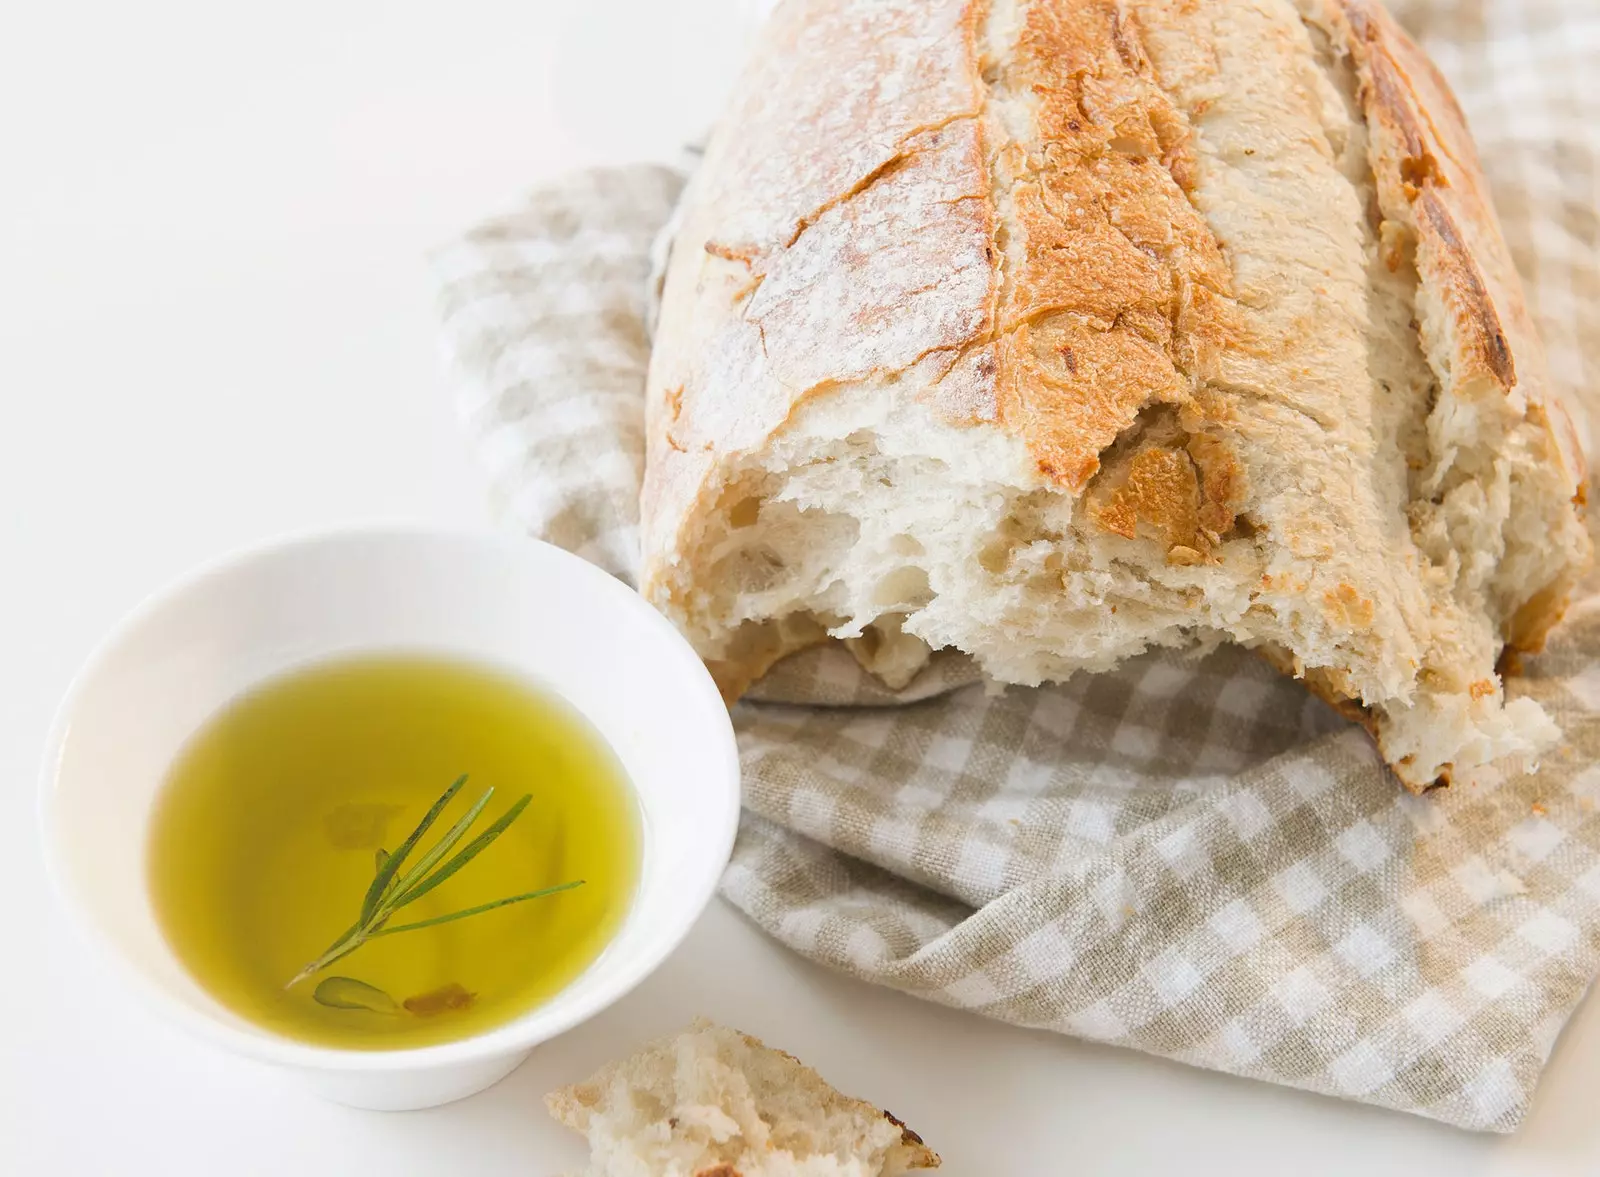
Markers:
(215, 326)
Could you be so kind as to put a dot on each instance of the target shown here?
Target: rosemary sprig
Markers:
(390, 889)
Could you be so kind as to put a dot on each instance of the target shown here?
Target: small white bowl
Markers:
(519, 604)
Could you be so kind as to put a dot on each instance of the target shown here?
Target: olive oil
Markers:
(265, 837)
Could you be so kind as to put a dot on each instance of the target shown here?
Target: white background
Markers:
(215, 326)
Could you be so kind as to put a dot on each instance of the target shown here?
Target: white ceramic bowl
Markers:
(519, 604)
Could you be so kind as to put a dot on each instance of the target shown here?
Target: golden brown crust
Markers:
(1425, 152)
(1337, 696)
(1394, 103)
(1120, 279)
(1476, 315)
(1165, 484)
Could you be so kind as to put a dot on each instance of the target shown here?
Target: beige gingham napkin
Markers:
(1191, 856)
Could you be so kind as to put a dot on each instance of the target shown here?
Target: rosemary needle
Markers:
(390, 889)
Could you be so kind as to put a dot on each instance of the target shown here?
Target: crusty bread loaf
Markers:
(1053, 330)
(712, 1102)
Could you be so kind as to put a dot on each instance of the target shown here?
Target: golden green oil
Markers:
(262, 845)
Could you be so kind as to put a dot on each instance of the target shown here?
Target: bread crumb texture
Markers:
(1052, 331)
(712, 1102)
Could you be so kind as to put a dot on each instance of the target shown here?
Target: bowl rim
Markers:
(519, 1034)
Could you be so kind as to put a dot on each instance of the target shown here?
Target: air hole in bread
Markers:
(744, 512)
(903, 589)
(993, 557)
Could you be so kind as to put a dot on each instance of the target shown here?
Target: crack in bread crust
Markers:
(1115, 276)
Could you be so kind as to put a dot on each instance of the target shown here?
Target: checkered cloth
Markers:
(1190, 856)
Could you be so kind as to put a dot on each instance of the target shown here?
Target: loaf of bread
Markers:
(1055, 330)
(712, 1102)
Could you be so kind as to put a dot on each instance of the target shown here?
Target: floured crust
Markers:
(1154, 260)
(760, 214)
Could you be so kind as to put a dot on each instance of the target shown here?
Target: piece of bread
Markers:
(1055, 330)
(712, 1102)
